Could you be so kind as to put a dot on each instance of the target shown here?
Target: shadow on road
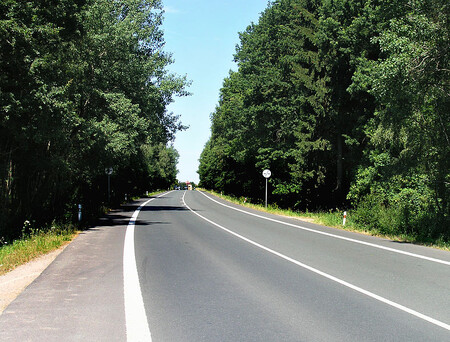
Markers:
(120, 216)
(150, 207)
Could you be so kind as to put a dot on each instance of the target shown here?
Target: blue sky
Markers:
(202, 36)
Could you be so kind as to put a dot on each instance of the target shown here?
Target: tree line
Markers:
(83, 88)
(347, 102)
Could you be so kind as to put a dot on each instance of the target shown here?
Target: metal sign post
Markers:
(109, 172)
(266, 173)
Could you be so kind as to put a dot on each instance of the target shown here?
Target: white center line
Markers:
(326, 275)
(334, 235)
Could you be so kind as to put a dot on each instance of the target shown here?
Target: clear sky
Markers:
(202, 36)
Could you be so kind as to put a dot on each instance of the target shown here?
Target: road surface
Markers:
(188, 266)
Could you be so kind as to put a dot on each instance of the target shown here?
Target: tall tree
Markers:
(270, 105)
(83, 87)
(36, 115)
(408, 163)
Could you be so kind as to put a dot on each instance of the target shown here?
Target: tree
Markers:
(271, 104)
(408, 163)
(35, 114)
(83, 87)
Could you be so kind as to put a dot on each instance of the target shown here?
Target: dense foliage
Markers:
(83, 87)
(347, 102)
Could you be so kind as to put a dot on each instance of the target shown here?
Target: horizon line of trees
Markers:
(83, 88)
(347, 103)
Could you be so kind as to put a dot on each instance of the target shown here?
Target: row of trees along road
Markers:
(347, 103)
(83, 87)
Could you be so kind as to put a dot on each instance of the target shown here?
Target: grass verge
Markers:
(149, 194)
(33, 245)
(332, 219)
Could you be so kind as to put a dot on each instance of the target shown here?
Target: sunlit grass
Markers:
(33, 245)
(148, 195)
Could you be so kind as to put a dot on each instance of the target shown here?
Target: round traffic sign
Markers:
(266, 173)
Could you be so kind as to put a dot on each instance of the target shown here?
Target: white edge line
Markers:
(328, 276)
(136, 322)
(333, 235)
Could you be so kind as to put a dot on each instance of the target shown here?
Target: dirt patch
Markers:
(300, 218)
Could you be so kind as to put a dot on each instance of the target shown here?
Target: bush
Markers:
(406, 212)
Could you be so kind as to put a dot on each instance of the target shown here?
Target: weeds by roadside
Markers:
(33, 243)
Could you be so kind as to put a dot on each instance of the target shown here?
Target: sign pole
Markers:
(266, 174)
(266, 193)
(109, 188)
(109, 171)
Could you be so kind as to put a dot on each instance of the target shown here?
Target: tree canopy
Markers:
(347, 102)
(83, 87)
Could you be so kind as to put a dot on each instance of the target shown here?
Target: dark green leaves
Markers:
(347, 102)
(83, 87)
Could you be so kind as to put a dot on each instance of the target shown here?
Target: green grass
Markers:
(33, 245)
(150, 194)
(333, 219)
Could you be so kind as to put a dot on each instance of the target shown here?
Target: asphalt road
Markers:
(200, 269)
